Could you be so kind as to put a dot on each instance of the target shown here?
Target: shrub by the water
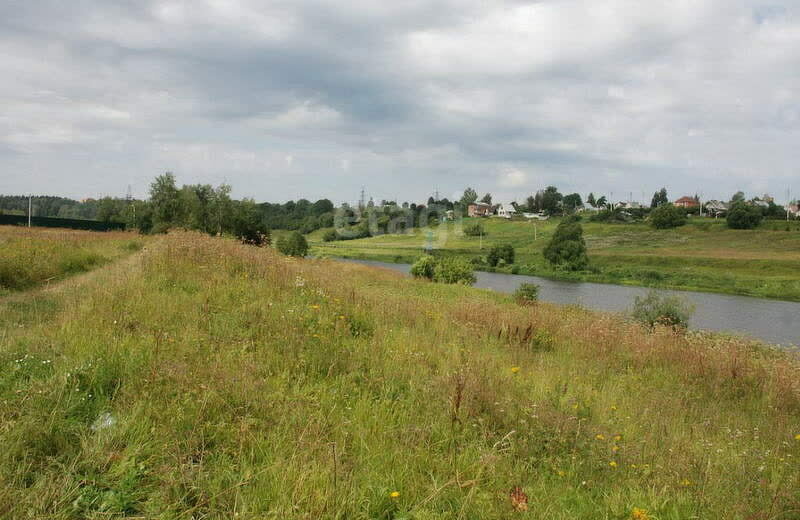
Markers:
(504, 253)
(453, 270)
(423, 267)
(293, 244)
(526, 294)
(567, 249)
(667, 216)
(669, 311)
(443, 270)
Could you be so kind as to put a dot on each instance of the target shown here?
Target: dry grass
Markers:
(245, 384)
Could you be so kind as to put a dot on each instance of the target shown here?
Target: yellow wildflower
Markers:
(797, 437)
(600, 437)
(314, 306)
(514, 370)
(394, 494)
(615, 449)
(639, 514)
(613, 408)
(561, 473)
(686, 482)
(574, 406)
(617, 438)
(613, 464)
(341, 316)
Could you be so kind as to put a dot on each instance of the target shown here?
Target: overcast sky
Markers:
(291, 99)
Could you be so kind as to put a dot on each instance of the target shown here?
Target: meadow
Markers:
(206, 379)
(30, 257)
(703, 255)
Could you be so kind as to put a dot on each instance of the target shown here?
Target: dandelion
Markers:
(686, 482)
(639, 514)
(615, 449)
(314, 307)
(614, 408)
(613, 464)
(600, 437)
(394, 494)
(797, 437)
(514, 370)
(617, 438)
(341, 316)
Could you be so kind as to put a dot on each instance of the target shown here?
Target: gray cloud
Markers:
(316, 98)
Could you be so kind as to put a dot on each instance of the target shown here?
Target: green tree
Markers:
(551, 200)
(469, 197)
(667, 216)
(744, 216)
(498, 253)
(659, 198)
(737, 197)
(487, 199)
(572, 202)
(165, 201)
(602, 202)
(591, 200)
(292, 244)
(567, 248)
(247, 224)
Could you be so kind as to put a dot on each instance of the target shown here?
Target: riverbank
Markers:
(216, 378)
(771, 321)
(701, 256)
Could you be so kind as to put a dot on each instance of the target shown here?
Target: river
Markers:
(772, 321)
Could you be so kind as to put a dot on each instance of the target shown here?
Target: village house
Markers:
(686, 202)
(506, 211)
(716, 208)
(479, 209)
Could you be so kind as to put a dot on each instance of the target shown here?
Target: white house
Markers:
(506, 210)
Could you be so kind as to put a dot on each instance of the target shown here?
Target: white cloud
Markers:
(405, 97)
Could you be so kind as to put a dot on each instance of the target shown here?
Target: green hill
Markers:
(703, 255)
(205, 379)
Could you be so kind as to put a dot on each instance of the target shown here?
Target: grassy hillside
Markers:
(31, 257)
(213, 380)
(703, 255)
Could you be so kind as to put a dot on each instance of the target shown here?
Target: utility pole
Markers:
(30, 208)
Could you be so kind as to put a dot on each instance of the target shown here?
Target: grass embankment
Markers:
(32, 257)
(216, 381)
(703, 255)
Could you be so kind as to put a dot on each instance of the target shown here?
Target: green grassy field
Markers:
(33, 257)
(205, 379)
(703, 255)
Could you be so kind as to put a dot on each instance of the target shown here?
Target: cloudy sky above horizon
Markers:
(291, 99)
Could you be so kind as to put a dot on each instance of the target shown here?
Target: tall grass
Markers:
(33, 257)
(222, 381)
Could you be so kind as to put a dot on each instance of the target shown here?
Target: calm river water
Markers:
(772, 321)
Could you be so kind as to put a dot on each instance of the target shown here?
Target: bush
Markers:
(667, 216)
(500, 253)
(330, 236)
(453, 270)
(475, 229)
(423, 267)
(293, 244)
(567, 249)
(526, 294)
(744, 216)
(669, 311)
